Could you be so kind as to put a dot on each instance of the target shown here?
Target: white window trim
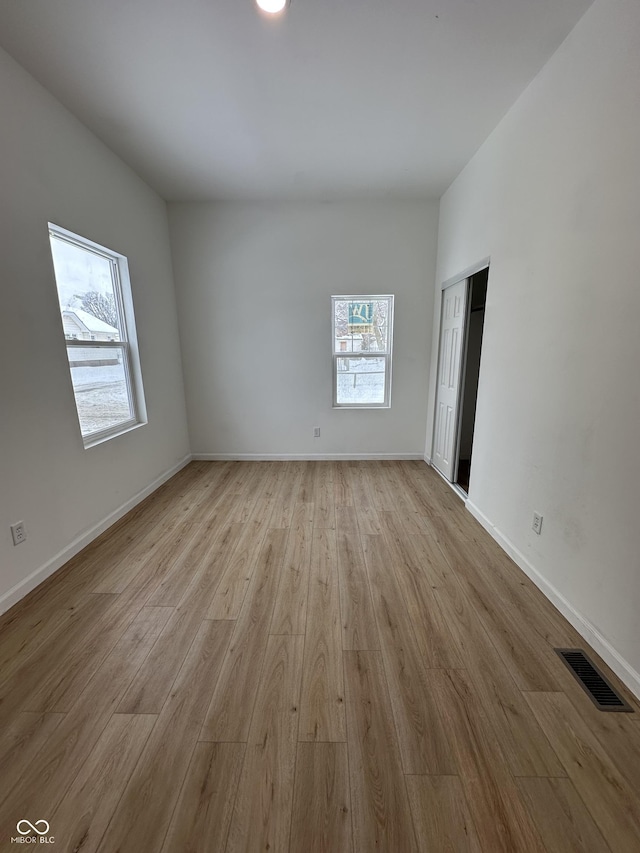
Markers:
(386, 404)
(128, 346)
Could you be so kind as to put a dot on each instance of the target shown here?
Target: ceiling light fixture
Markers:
(272, 7)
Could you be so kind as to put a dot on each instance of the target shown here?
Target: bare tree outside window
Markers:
(99, 305)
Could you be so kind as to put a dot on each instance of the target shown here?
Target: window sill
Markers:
(90, 442)
(362, 408)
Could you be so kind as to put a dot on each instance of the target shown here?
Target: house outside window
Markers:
(96, 307)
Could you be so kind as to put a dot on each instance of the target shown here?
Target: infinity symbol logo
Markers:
(32, 828)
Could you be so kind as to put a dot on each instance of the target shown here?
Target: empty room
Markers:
(317, 471)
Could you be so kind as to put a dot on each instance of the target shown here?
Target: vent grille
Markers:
(592, 681)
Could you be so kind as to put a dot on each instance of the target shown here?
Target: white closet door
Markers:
(452, 327)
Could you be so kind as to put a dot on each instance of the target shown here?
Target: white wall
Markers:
(254, 284)
(53, 169)
(554, 198)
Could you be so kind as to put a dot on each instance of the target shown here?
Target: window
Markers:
(99, 330)
(363, 329)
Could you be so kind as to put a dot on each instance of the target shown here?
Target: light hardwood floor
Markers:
(298, 656)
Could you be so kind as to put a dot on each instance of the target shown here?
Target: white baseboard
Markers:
(39, 575)
(308, 457)
(585, 628)
(427, 459)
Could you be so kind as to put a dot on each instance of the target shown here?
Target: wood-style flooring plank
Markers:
(239, 570)
(159, 547)
(308, 483)
(360, 486)
(160, 505)
(83, 815)
(67, 680)
(324, 499)
(524, 745)
(519, 593)
(215, 500)
(618, 734)
(20, 744)
(385, 498)
(441, 815)
(611, 803)
(469, 547)
(141, 577)
(322, 715)
(264, 801)
(427, 486)
(321, 821)
(152, 684)
(531, 660)
(43, 783)
(500, 818)
(346, 520)
(561, 817)
(423, 742)
(402, 502)
(274, 482)
(419, 553)
(238, 497)
(287, 498)
(27, 636)
(342, 491)
(184, 507)
(379, 801)
(34, 685)
(200, 550)
(368, 520)
(142, 816)
(290, 611)
(425, 491)
(229, 715)
(201, 819)
(413, 524)
(415, 560)
(359, 629)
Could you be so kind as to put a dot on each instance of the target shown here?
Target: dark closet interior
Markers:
(475, 325)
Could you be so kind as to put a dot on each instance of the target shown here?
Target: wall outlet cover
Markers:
(18, 533)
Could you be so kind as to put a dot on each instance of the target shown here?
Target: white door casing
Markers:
(452, 330)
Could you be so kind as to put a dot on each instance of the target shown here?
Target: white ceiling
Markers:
(206, 99)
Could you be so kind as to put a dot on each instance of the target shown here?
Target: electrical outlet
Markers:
(316, 432)
(537, 523)
(18, 533)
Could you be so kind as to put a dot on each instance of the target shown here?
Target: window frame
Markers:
(127, 345)
(387, 355)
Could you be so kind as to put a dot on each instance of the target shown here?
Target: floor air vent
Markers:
(592, 681)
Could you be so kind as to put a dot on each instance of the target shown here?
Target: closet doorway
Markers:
(461, 329)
